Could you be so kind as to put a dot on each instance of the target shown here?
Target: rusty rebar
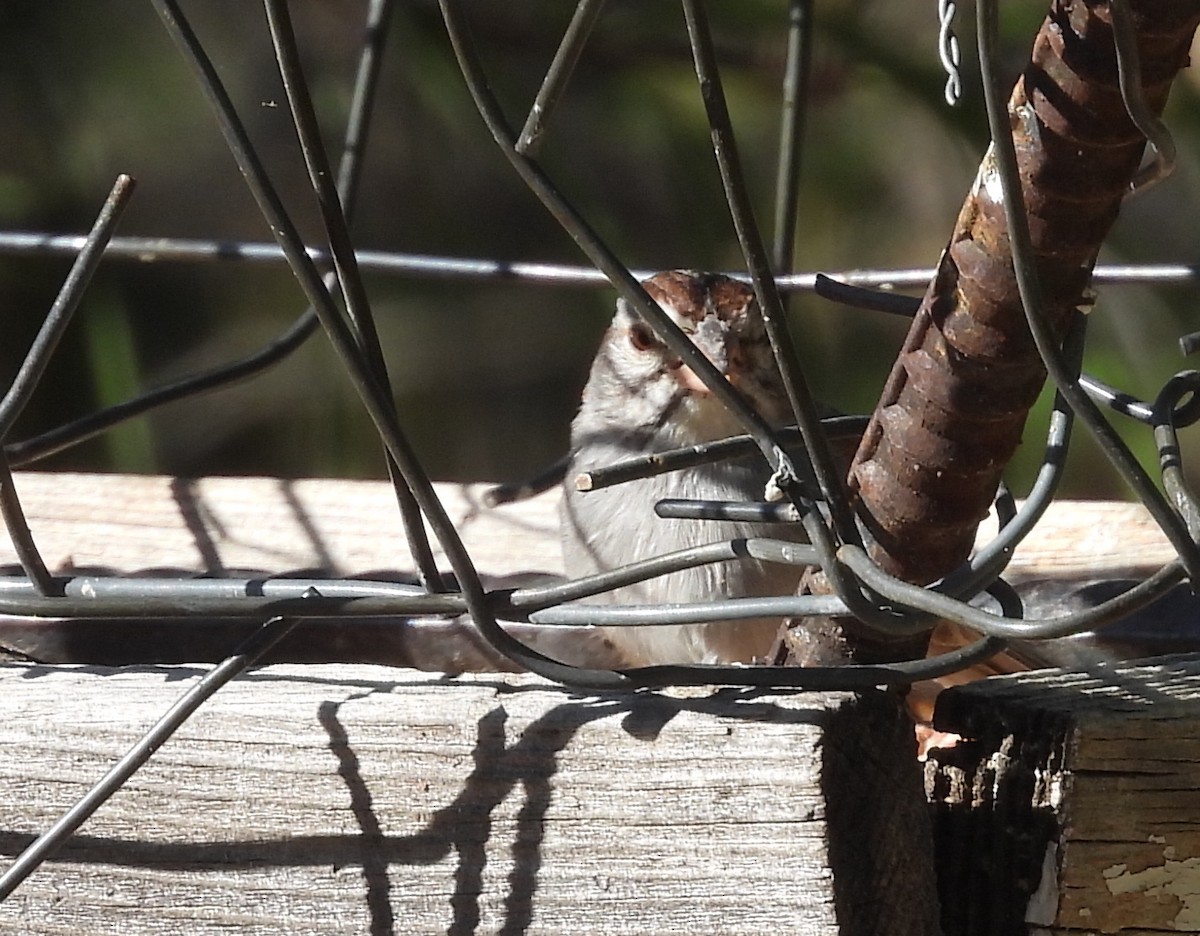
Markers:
(954, 407)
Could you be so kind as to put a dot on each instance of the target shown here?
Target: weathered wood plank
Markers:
(349, 799)
(131, 522)
(326, 800)
(1075, 805)
(128, 524)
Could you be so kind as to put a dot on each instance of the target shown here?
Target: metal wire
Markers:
(365, 363)
(271, 632)
(797, 73)
(800, 456)
(949, 51)
(354, 294)
(357, 345)
(1129, 78)
(557, 275)
(804, 407)
(34, 366)
(557, 75)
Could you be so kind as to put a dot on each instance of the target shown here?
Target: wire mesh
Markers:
(330, 276)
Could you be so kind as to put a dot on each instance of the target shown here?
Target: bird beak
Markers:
(689, 381)
(709, 337)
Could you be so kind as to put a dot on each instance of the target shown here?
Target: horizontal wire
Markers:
(200, 250)
(126, 596)
(645, 466)
(691, 612)
(96, 597)
(769, 550)
(682, 508)
(914, 596)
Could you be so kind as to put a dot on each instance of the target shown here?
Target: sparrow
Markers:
(640, 398)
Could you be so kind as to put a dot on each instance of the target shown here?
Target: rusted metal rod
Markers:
(953, 409)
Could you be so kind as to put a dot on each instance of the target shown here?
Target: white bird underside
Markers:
(642, 535)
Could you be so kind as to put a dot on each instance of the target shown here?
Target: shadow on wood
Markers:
(360, 799)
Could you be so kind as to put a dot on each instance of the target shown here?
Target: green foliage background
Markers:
(487, 374)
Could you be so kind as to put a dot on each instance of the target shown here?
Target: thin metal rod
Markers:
(377, 407)
(63, 437)
(858, 297)
(320, 174)
(796, 74)
(53, 838)
(34, 365)
(1169, 403)
(557, 76)
(646, 466)
(362, 101)
(803, 404)
(545, 596)
(1129, 79)
(88, 596)
(65, 303)
(24, 545)
(829, 479)
(197, 250)
(992, 559)
(681, 508)
(358, 307)
(692, 612)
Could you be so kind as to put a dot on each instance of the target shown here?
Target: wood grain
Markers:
(131, 522)
(329, 800)
(128, 523)
(1074, 807)
(119, 524)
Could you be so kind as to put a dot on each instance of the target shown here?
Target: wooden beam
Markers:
(326, 799)
(1074, 807)
(352, 799)
(126, 523)
(123, 524)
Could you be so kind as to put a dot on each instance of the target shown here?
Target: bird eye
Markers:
(641, 336)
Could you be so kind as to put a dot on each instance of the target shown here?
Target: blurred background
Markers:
(487, 374)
